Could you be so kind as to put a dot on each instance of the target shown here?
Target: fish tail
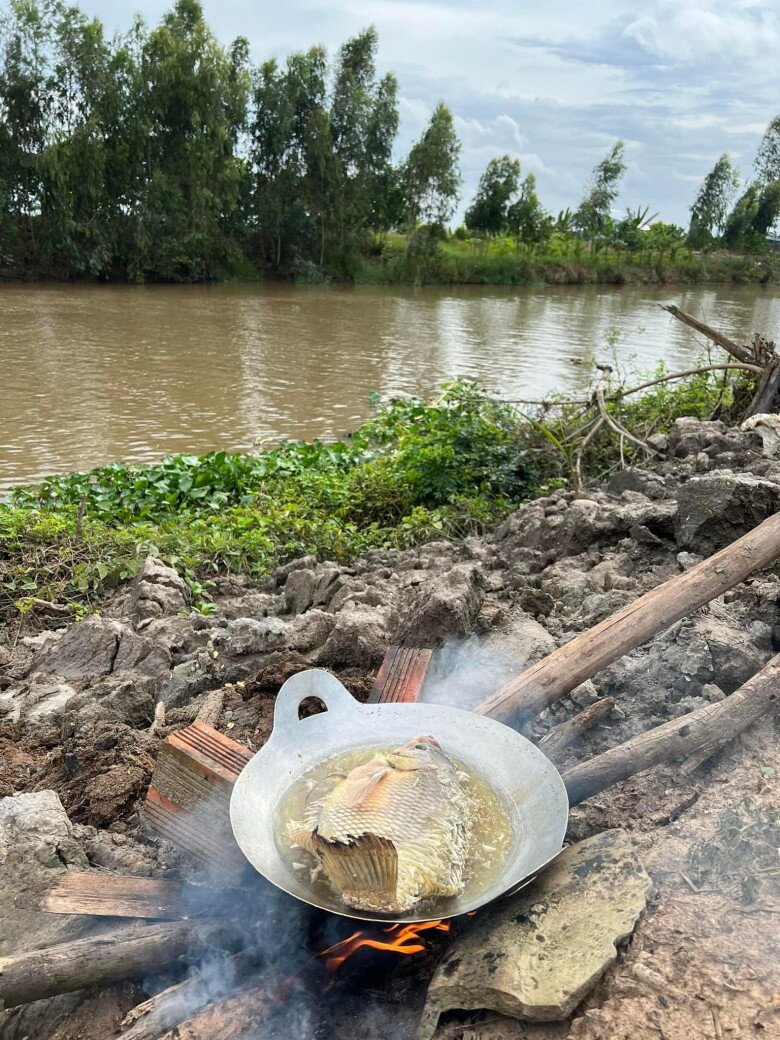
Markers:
(365, 866)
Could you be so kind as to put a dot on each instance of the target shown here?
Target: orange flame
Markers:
(405, 939)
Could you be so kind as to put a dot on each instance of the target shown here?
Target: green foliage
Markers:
(430, 174)
(413, 472)
(711, 206)
(594, 210)
(497, 189)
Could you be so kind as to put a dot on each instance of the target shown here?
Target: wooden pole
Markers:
(574, 729)
(563, 670)
(700, 733)
(110, 957)
(120, 895)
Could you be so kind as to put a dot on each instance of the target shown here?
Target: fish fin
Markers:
(367, 864)
(363, 788)
(300, 838)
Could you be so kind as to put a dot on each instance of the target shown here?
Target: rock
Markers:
(186, 681)
(112, 793)
(37, 845)
(693, 437)
(521, 639)
(99, 646)
(536, 955)
(359, 639)
(157, 591)
(768, 429)
(715, 509)
(310, 631)
(84, 650)
(585, 694)
(40, 702)
(635, 479)
(249, 636)
(299, 590)
(445, 607)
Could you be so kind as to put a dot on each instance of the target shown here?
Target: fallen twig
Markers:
(618, 428)
(568, 732)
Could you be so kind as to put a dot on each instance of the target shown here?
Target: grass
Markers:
(416, 472)
(563, 260)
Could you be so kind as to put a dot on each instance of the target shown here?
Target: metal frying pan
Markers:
(524, 779)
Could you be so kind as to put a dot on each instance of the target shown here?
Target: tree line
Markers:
(162, 154)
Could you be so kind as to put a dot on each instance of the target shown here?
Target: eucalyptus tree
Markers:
(710, 209)
(593, 213)
(496, 192)
(25, 112)
(431, 174)
(193, 101)
(767, 164)
(527, 218)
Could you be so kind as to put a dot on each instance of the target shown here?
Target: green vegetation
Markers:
(163, 155)
(415, 472)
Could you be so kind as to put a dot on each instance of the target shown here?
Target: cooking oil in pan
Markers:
(489, 828)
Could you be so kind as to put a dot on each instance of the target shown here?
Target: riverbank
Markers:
(500, 263)
(81, 726)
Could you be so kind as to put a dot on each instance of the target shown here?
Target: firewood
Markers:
(126, 953)
(570, 665)
(211, 708)
(118, 895)
(574, 729)
(170, 1006)
(233, 1018)
(702, 732)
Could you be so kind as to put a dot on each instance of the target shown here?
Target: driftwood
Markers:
(170, 1006)
(110, 957)
(569, 732)
(700, 734)
(566, 668)
(735, 349)
(117, 895)
(233, 1018)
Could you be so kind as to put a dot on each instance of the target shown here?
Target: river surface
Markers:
(94, 374)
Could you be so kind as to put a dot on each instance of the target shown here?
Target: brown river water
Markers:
(94, 374)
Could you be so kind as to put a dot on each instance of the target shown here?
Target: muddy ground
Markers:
(77, 704)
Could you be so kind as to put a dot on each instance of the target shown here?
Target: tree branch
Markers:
(739, 352)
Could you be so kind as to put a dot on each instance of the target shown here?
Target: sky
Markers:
(553, 84)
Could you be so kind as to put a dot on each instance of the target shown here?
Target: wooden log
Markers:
(735, 349)
(582, 657)
(117, 895)
(574, 729)
(700, 733)
(233, 1018)
(109, 957)
(171, 1006)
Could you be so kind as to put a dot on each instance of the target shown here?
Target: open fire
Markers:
(403, 938)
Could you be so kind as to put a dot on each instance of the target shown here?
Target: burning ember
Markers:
(405, 939)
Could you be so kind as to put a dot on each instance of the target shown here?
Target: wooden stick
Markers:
(172, 1005)
(703, 731)
(736, 351)
(117, 895)
(211, 708)
(618, 428)
(574, 729)
(563, 670)
(233, 1018)
(110, 957)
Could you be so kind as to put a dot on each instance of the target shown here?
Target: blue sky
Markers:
(554, 83)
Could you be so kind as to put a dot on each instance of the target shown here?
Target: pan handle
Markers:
(314, 682)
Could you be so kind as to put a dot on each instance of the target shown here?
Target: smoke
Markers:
(466, 671)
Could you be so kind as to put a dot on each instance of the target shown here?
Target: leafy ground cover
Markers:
(416, 472)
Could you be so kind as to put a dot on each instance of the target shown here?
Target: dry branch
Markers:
(618, 428)
(739, 352)
(574, 729)
(585, 655)
(700, 733)
(110, 957)
(211, 708)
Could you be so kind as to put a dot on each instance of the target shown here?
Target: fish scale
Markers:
(392, 831)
